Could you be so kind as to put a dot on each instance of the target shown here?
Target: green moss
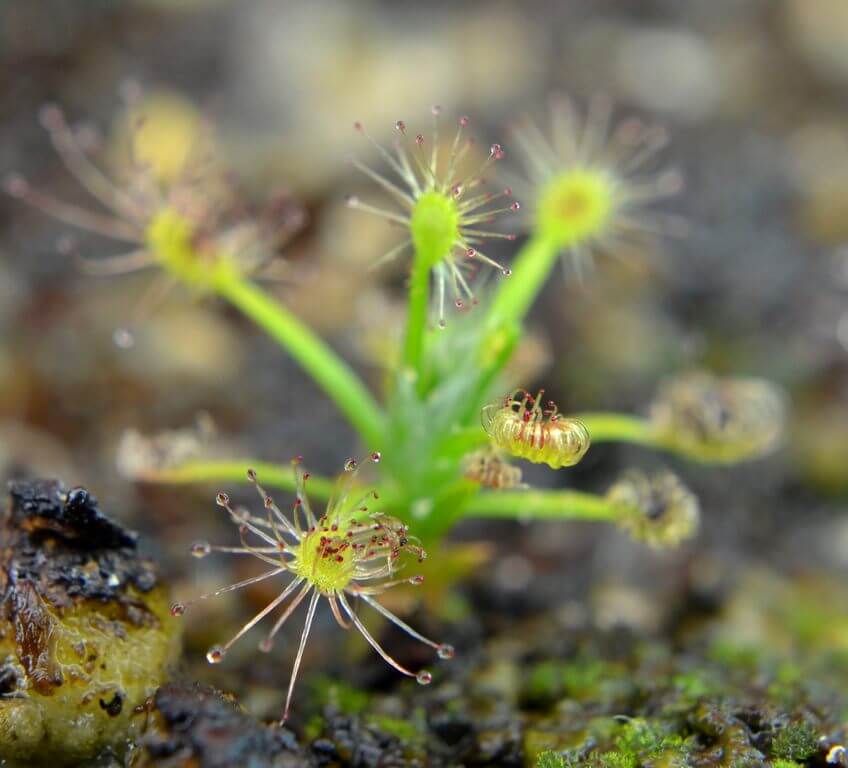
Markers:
(738, 656)
(694, 685)
(314, 728)
(785, 764)
(797, 741)
(344, 697)
(617, 759)
(585, 679)
(640, 740)
(405, 730)
(550, 760)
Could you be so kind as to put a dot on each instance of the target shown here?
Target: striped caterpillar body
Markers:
(522, 426)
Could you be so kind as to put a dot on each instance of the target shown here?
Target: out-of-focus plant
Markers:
(588, 189)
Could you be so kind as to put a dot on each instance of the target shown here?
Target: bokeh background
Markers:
(755, 95)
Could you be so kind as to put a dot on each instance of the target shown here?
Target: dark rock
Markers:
(198, 726)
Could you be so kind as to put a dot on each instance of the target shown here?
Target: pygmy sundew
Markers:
(588, 189)
(660, 510)
(711, 418)
(347, 552)
(444, 209)
(191, 222)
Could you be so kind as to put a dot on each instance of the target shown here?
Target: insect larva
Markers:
(522, 426)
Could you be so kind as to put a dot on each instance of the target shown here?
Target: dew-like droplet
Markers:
(470, 253)
(458, 304)
(436, 109)
(200, 549)
(15, 185)
(670, 183)
(463, 121)
(630, 130)
(66, 245)
(350, 465)
(419, 139)
(515, 206)
(376, 456)
(456, 190)
(424, 677)
(417, 579)
(222, 499)
(508, 191)
(496, 151)
(265, 645)
(88, 137)
(506, 272)
(445, 651)
(401, 126)
(123, 338)
(51, 117)
(352, 201)
(177, 609)
(215, 655)
(442, 324)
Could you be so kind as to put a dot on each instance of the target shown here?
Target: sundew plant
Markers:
(450, 420)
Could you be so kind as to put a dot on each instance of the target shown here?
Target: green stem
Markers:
(328, 369)
(618, 427)
(235, 471)
(508, 308)
(416, 319)
(530, 269)
(541, 505)
(494, 353)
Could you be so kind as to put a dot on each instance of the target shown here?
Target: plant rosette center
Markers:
(434, 226)
(326, 559)
(174, 240)
(575, 206)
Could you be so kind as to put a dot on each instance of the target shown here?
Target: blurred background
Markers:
(755, 95)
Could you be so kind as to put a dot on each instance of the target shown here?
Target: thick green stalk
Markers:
(541, 505)
(416, 318)
(618, 427)
(235, 471)
(494, 353)
(328, 369)
(507, 310)
(530, 270)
